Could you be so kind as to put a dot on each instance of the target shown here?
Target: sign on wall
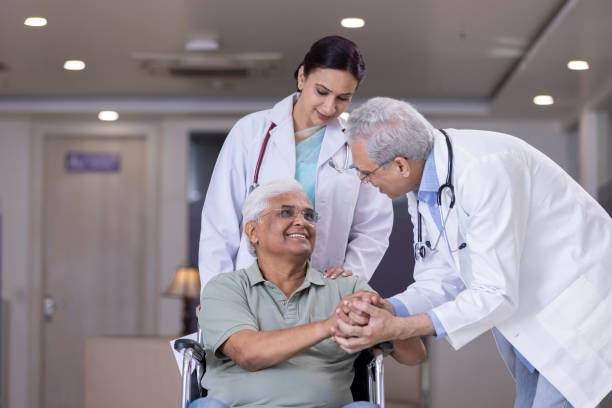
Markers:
(104, 162)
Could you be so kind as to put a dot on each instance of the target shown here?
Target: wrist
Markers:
(405, 327)
(388, 306)
(323, 328)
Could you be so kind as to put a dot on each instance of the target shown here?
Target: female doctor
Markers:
(301, 137)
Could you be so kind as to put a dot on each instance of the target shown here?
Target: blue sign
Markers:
(93, 162)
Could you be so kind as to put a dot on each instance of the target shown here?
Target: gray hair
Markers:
(392, 128)
(258, 201)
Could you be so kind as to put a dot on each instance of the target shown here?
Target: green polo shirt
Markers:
(243, 300)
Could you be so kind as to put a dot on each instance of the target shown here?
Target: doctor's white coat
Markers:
(355, 219)
(537, 266)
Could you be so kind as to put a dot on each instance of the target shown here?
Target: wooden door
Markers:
(93, 254)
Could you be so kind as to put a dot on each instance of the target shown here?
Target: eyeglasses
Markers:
(366, 174)
(291, 212)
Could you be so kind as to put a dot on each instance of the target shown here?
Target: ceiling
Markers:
(473, 56)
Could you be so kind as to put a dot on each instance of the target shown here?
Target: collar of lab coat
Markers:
(281, 115)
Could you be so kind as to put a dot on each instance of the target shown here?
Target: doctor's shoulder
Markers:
(251, 126)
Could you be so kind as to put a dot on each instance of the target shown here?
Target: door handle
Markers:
(49, 307)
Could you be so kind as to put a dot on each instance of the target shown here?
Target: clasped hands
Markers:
(362, 320)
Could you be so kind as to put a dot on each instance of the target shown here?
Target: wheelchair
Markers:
(368, 383)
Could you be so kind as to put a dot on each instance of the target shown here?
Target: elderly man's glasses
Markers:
(291, 212)
(366, 174)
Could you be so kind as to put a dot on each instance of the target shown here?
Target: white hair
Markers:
(392, 128)
(258, 200)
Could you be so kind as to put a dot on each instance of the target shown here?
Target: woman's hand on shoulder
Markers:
(338, 271)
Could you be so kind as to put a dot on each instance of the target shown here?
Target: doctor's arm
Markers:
(370, 230)
(222, 211)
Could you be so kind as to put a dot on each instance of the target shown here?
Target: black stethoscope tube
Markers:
(420, 248)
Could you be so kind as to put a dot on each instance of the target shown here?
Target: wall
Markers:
(15, 197)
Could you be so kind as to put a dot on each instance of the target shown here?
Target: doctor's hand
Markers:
(358, 316)
(335, 272)
(381, 326)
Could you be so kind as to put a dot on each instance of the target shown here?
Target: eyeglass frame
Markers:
(295, 213)
(365, 174)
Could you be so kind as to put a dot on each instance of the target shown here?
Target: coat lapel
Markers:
(333, 141)
(281, 137)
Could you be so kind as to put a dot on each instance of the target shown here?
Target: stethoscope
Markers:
(264, 146)
(422, 249)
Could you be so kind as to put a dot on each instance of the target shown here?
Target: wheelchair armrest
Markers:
(386, 347)
(197, 350)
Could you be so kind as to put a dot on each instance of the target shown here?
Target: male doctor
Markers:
(504, 240)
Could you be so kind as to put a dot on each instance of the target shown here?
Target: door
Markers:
(93, 253)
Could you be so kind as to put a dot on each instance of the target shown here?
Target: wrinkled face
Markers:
(395, 180)
(326, 93)
(280, 233)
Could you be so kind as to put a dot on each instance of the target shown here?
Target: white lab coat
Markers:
(355, 220)
(537, 266)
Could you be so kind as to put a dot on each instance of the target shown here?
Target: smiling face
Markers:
(326, 93)
(280, 235)
(398, 178)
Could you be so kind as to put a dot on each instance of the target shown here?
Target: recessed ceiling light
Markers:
(108, 116)
(352, 22)
(74, 65)
(35, 21)
(578, 65)
(344, 115)
(543, 100)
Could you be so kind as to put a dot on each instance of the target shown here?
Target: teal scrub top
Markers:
(306, 158)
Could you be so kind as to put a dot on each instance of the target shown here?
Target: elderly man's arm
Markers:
(256, 350)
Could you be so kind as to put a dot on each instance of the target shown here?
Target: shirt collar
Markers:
(429, 180)
(312, 276)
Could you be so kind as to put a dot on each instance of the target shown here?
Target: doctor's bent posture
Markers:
(504, 240)
(301, 137)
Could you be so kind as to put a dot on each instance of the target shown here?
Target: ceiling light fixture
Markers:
(108, 116)
(352, 22)
(74, 65)
(35, 21)
(578, 65)
(543, 100)
(202, 43)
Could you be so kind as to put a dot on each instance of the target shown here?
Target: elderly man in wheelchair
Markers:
(266, 329)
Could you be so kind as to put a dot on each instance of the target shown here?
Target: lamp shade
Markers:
(185, 284)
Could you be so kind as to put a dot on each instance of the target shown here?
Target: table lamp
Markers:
(185, 285)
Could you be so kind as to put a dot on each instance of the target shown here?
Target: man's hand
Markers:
(349, 316)
(335, 272)
(381, 326)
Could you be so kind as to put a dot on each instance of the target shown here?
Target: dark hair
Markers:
(334, 52)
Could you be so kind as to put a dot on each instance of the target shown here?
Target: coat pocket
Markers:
(579, 319)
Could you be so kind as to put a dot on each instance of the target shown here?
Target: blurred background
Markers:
(112, 115)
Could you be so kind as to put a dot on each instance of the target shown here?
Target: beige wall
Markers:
(15, 198)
